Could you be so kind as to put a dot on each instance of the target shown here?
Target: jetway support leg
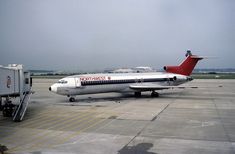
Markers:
(1, 106)
(8, 108)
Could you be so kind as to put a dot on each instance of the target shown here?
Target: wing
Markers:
(150, 87)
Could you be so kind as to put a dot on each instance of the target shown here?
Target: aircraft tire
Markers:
(155, 94)
(72, 99)
(137, 94)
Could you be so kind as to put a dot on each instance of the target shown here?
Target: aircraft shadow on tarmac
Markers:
(112, 98)
(117, 98)
(141, 148)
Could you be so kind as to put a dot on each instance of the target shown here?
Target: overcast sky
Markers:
(100, 34)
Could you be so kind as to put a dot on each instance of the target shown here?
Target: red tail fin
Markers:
(186, 67)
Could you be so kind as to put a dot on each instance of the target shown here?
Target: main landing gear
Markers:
(137, 94)
(154, 94)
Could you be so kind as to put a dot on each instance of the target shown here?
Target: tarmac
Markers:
(180, 121)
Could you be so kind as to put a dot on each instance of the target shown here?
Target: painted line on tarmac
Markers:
(14, 149)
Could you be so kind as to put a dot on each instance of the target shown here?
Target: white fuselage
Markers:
(103, 83)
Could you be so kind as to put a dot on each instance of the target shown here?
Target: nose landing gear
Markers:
(72, 99)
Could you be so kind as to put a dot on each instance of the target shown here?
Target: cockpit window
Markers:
(62, 82)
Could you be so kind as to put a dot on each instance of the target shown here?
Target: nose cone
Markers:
(53, 88)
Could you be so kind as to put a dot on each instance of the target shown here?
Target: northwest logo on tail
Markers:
(186, 67)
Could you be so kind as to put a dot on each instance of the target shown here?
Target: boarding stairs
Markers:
(19, 113)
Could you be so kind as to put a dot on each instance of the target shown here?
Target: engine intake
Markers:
(172, 69)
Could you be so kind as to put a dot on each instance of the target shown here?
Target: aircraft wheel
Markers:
(72, 99)
(137, 94)
(155, 94)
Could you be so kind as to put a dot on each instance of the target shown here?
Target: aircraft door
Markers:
(77, 82)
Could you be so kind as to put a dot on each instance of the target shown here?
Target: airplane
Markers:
(128, 82)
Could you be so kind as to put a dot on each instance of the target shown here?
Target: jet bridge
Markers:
(14, 83)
